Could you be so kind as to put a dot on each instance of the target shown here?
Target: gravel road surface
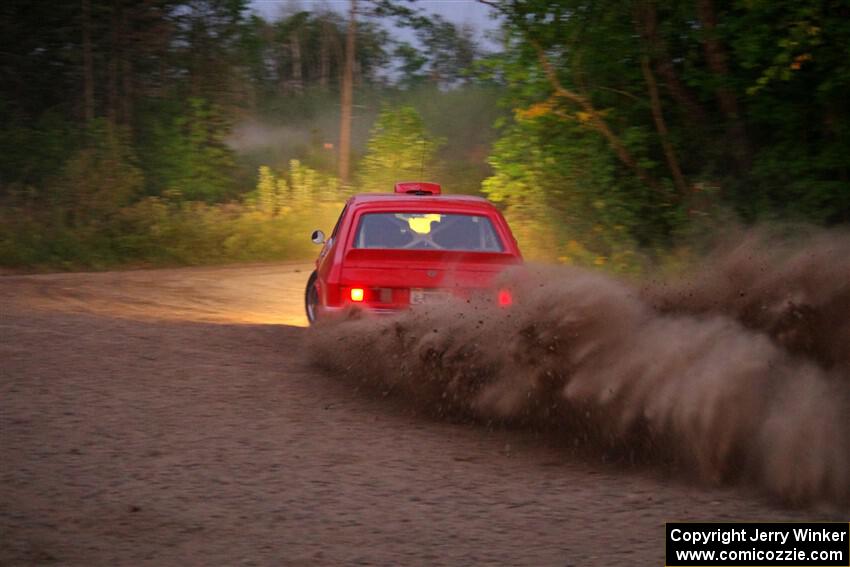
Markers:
(170, 417)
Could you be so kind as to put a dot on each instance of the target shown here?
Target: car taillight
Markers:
(357, 294)
(505, 298)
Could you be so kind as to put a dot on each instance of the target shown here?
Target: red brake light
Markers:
(505, 298)
(357, 294)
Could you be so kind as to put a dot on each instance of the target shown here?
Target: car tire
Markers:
(311, 298)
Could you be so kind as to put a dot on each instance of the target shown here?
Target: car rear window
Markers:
(427, 231)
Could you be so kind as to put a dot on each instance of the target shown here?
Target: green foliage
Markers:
(794, 74)
(118, 142)
(562, 182)
(127, 153)
(272, 223)
(305, 189)
(399, 149)
(309, 187)
(270, 195)
(561, 195)
(33, 153)
(749, 107)
(99, 179)
(463, 119)
(187, 154)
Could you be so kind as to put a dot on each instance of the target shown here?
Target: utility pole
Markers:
(347, 99)
(88, 64)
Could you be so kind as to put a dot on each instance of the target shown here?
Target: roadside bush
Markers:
(271, 223)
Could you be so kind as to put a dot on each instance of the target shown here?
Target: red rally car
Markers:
(414, 246)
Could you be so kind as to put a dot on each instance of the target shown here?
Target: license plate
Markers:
(419, 296)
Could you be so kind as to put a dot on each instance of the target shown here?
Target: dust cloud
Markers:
(736, 371)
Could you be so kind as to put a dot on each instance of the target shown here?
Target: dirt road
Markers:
(170, 418)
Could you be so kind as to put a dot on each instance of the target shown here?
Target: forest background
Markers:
(173, 132)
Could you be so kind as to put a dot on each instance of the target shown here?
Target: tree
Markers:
(187, 154)
(702, 105)
(347, 98)
(399, 149)
(590, 167)
(100, 178)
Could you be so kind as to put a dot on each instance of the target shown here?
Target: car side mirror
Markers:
(318, 237)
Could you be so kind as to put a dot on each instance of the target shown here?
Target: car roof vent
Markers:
(418, 188)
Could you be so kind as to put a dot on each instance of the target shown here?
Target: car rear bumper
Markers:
(331, 312)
